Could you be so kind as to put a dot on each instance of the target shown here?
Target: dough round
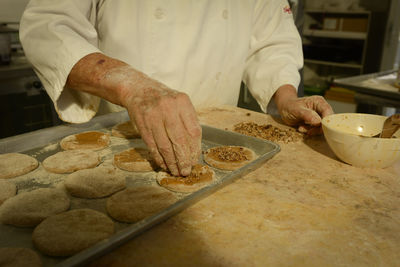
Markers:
(71, 160)
(85, 140)
(136, 203)
(126, 130)
(16, 257)
(30, 208)
(15, 164)
(229, 157)
(134, 160)
(70, 232)
(201, 176)
(95, 183)
(7, 189)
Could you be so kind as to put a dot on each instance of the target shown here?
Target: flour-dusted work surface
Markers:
(79, 244)
(304, 207)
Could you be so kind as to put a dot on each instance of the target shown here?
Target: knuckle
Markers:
(195, 131)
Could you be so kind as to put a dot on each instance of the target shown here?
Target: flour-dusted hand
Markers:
(305, 112)
(168, 125)
(165, 118)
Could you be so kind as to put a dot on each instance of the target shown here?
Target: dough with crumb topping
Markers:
(229, 157)
(201, 176)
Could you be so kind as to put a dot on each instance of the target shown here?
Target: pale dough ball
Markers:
(136, 203)
(229, 157)
(18, 257)
(15, 164)
(7, 189)
(95, 183)
(200, 177)
(71, 160)
(126, 130)
(134, 160)
(85, 140)
(30, 208)
(71, 232)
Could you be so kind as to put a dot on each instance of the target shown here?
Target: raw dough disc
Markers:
(136, 203)
(134, 160)
(229, 157)
(15, 164)
(30, 208)
(85, 140)
(126, 130)
(70, 232)
(15, 257)
(7, 189)
(95, 183)
(71, 160)
(201, 176)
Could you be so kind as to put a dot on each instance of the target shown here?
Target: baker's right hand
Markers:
(167, 122)
(165, 118)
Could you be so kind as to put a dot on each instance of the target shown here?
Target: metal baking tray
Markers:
(356, 83)
(43, 143)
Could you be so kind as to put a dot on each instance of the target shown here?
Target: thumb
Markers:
(310, 117)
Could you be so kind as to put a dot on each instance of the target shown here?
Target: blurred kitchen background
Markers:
(351, 51)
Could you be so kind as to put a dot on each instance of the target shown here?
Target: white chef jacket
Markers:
(204, 48)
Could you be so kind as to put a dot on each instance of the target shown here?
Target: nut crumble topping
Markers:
(268, 132)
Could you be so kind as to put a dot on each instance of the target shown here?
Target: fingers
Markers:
(311, 109)
(309, 116)
(320, 105)
(170, 129)
(193, 129)
(165, 147)
(179, 141)
(310, 130)
(148, 138)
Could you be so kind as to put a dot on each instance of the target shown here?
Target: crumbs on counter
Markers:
(268, 132)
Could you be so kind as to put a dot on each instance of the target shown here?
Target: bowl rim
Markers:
(324, 124)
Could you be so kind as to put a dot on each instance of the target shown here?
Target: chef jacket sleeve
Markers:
(55, 35)
(275, 54)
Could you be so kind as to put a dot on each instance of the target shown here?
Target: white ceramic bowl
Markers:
(349, 135)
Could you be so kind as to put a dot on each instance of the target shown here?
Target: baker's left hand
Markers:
(305, 112)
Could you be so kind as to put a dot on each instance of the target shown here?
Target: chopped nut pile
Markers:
(269, 132)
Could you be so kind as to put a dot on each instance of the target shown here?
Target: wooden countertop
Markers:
(303, 207)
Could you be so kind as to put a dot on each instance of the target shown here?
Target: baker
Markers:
(159, 59)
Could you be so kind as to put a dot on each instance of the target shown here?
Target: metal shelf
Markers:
(337, 11)
(332, 63)
(335, 34)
